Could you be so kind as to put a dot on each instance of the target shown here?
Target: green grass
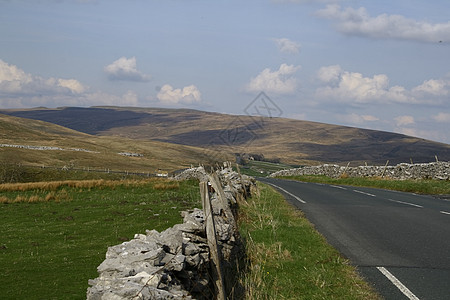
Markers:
(431, 187)
(16, 173)
(262, 168)
(289, 259)
(49, 249)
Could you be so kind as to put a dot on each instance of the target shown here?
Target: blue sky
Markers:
(373, 64)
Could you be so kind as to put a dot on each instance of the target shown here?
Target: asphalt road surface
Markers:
(400, 242)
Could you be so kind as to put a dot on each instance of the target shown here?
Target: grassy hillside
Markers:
(104, 150)
(293, 141)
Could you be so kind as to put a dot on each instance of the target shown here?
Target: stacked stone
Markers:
(434, 170)
(327, 170)
(175, 264)
(196, 173)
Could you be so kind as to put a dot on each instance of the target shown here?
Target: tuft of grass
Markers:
(166, 185)
(288, 258)
(83, 184)
(430, 187)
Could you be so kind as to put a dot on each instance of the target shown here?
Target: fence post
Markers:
(212, 242)
(385, 167)
(215, 182)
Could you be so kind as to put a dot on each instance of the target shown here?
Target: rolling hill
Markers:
(33, 142)
(287, 140)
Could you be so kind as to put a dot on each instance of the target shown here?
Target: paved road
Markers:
(400, 242)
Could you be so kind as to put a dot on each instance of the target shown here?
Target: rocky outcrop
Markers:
(434, 170)
(176, 263)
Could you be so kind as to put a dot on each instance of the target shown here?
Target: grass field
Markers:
(289, 259)
(262, 168)
(51, 246)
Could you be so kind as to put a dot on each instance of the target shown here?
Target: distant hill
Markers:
(291, 141)
(34, 142)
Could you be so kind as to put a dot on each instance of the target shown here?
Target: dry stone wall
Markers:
(176, 263)
(434, 170)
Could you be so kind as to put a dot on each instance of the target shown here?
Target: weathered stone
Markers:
(433, 170)
(175, 264)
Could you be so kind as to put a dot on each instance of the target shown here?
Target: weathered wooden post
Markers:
(212, 242)
(215, 182)
(385, 167)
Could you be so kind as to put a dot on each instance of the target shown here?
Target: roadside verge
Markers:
(288, 258)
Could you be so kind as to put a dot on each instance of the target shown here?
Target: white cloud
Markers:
(125, 69)
(359, 22)
(14, 82)
(353, 87)
(279, 82)
(356, 119)
(74, 85)
(287, 46)
(442, 117)
(436, 87)
(330, 73)
(188, 95)
(19, 89)
(404, 120)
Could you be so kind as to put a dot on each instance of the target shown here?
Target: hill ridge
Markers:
(58, 146)
(291, 141)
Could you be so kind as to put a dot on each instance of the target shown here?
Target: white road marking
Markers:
(338, 187)
(290, 194)
(406, 203)
(398, 284)
(445, 212)
(361, 192)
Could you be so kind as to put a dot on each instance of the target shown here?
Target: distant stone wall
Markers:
(46, 148)
(434, 170)
(176, 263)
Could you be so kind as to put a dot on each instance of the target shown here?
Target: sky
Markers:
(381, 65)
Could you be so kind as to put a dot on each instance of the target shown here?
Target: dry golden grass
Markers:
(344, 175)
(166, 185)
(59, 196)
(58, 193)
(82, 184)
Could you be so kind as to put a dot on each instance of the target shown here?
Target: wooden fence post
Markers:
(385, 167)
(345, 170)
(212, 242)
(215, 182)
